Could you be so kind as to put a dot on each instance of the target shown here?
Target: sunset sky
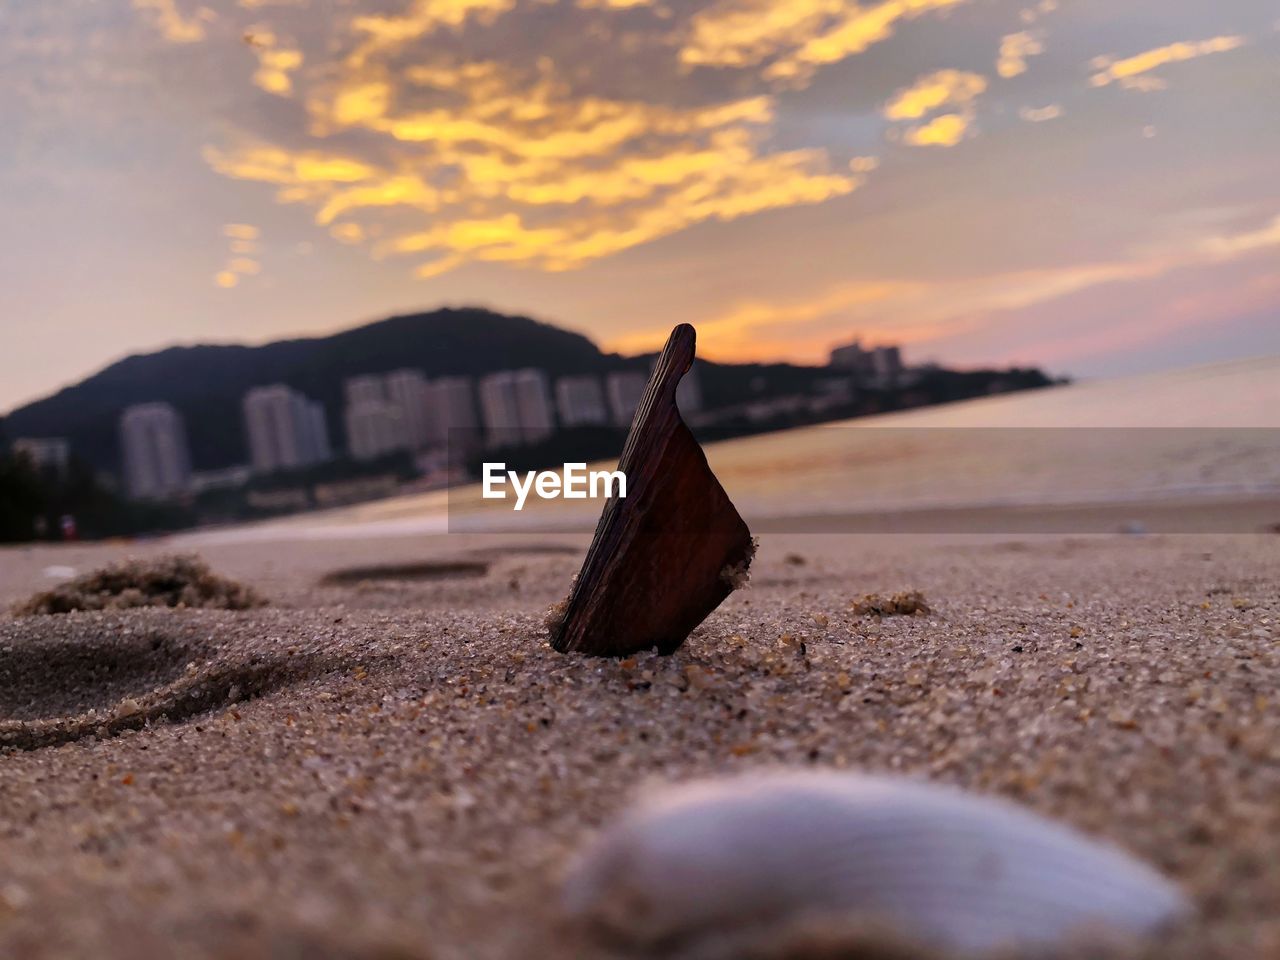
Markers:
(1088, 185)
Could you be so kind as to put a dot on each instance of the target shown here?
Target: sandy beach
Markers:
(399, 766)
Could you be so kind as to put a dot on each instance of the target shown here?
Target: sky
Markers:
(1084, 185)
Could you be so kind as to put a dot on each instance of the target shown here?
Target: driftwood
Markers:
(668, 553)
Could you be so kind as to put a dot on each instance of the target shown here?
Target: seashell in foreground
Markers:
(941, 867)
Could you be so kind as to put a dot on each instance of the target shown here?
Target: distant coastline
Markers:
(192, 436)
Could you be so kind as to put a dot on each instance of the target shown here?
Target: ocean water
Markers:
(1205, 432)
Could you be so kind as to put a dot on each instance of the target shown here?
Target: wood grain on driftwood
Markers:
(668, 553)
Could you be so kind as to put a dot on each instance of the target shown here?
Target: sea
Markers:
(1202, 435)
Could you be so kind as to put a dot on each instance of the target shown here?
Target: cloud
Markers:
(1015, 49)
(242, 243)
(1031, 14)
(503, 165)
(944, 131)
(347, 233)
(1229, 246)
(953, 90)
(172, 24)
(613, 4)
(945, 88)
(1130, 71)
(756, 328)
(432, 132)
(1040, 114)
(916, 311)
(241, 231)
(797, 36)
(382, 34)
(275, 62)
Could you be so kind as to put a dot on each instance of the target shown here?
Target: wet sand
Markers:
(394, 764)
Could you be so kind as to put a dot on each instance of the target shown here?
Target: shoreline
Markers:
(1176, 512)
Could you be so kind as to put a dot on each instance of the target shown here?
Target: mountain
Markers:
(206, 383)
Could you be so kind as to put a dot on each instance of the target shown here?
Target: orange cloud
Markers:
(521, 169)
(1130, 71)
(275, 62)
(1229, 246)
(953, 90)
(240, 231)
(945, 88)
(944, 131)
(385, 34)
(1015, 50)
(798, 36)
(172, 24)
(1040, 114)
(918, 312)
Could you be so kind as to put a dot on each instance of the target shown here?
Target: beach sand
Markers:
(398, 767)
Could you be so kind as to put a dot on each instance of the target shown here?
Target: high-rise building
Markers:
(366, 389)
(580, 401)
(516, 406)
(286, 431)
(886, 363)
(850, 356)
(45, 453)
(411, 393)
(374, 429)
(453, 408)
(880, 366)
(157, 460)
(625, 388)
(689, 391)
(499, 409)
(376, 426)
(533, 397)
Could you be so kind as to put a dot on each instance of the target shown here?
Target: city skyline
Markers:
(400, 410)
(1069, 185)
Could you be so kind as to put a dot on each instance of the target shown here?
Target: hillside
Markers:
(206, 383)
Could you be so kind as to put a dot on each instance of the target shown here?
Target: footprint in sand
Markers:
(406, 572)
(64, 678)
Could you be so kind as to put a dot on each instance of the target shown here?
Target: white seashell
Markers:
(948, 869)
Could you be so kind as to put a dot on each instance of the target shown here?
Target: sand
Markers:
(394, 764)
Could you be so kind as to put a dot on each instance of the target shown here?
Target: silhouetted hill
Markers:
(206, 383)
